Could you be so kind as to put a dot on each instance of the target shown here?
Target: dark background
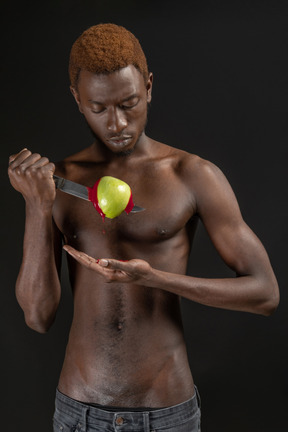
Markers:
(220, 91)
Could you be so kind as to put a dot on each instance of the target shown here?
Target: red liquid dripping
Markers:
(92, 195)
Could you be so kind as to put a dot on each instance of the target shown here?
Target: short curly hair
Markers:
(105, 48)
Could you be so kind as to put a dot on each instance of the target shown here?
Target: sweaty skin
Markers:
(126, 344)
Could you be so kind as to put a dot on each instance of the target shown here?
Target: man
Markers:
(126, 363)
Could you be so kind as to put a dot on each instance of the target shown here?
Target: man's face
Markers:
(114, 106)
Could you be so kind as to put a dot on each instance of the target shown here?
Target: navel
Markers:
(162, 231)
(120, 325)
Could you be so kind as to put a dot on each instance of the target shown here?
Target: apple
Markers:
(111, 196)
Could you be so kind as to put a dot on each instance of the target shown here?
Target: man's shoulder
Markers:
(199, 166)
(165, 151)
(201, 173)
(191, 164)
(188, 165)
(69, 166)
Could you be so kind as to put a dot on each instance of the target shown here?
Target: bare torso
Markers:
(126, 345)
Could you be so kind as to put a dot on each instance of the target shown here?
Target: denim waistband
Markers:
(162, 417)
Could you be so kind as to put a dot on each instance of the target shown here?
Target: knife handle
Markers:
(58, 181)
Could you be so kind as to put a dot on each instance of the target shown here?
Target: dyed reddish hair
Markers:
(105, 48)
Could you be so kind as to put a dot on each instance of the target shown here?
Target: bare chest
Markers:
(167, 204)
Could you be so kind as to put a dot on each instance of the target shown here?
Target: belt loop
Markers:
(84, 419)
(146, 422)
(198, 396)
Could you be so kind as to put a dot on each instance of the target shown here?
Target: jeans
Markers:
(74, 416)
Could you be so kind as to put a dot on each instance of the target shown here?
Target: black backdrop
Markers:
(220, 91)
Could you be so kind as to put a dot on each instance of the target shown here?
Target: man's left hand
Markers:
(133, 271)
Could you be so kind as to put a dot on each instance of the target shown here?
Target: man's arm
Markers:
(38, 286)
(255, 288)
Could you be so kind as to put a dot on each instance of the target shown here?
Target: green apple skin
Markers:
(113, 196)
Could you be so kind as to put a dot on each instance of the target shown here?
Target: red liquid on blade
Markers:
(92, 196)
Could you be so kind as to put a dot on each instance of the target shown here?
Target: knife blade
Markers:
(71, 187)
(80, 191)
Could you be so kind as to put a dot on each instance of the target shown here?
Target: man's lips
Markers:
(120, 141)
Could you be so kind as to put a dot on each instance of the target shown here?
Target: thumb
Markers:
(113, 264)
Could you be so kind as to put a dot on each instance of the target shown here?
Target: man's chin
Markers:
(117, 150)
(125, 152)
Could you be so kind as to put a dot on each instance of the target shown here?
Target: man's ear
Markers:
(76, 97)
(149, 87)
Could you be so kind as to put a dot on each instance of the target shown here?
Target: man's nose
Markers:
(116, 121)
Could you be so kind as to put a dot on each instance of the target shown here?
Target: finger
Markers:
(81, 257)
(49, 167)
(29, 161)
(42, 166)
(12, 157)
(15, 160)
(74, 252)
(42, 162)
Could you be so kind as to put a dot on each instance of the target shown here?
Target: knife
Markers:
(80, 191)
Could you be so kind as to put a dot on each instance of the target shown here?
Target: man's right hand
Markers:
(32, 176)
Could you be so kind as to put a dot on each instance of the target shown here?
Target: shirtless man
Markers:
(126, 363)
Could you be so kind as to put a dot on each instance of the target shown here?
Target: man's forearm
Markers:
(244, 293)
(38, 285)
(256, 293)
